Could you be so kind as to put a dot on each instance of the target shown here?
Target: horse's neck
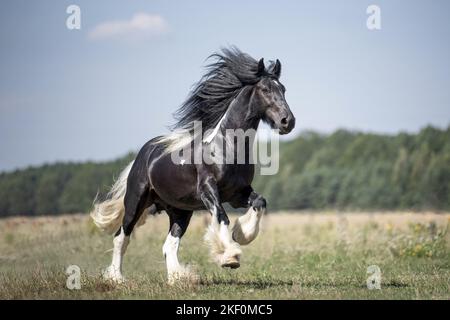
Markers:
(239, 121)
(237, 115)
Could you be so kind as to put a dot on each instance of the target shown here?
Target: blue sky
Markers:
(94, 95)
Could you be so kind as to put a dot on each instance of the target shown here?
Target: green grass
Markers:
(296, 256)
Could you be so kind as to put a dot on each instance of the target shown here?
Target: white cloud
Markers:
(141, 25)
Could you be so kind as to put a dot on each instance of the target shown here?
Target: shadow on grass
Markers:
(395, 284)
(263, 284)
(256, 284)
(389, 285)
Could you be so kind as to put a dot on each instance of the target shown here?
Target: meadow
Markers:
(302, 255)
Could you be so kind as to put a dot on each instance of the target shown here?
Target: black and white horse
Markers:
(237, 92)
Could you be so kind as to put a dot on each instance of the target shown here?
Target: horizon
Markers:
(96, 93)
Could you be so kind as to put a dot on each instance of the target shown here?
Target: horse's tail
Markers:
(108, 214)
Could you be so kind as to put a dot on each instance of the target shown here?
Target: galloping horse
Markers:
(236, 93)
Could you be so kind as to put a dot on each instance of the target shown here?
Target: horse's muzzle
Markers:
(287, 124)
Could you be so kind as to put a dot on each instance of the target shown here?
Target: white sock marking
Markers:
(170, 251)
(176, 271)
(114, 271)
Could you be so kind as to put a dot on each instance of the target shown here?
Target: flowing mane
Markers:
(212, 95)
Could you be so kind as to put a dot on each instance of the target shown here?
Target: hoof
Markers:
(231, 262)
(259, 204)
(231, 257)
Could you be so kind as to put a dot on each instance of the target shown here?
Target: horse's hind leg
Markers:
(135, 203)
(179, 221)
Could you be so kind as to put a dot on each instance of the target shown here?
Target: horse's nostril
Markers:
(284, 121)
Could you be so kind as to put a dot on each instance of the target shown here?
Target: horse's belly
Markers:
(176, 185)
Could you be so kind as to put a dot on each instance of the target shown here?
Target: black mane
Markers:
(210, 98)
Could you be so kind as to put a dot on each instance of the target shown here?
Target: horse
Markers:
(236, 93)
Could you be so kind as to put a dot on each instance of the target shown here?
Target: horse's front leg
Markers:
(246, 227)
(224, 250)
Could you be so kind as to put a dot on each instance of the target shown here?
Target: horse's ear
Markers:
(276, 71)
(261, 67)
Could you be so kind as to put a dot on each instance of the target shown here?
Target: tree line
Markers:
(345, 170)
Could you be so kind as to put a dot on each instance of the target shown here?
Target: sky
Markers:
(101, 91)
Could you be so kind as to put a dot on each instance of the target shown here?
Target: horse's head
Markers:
(270, 100)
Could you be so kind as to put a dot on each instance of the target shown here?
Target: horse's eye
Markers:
(265, 90)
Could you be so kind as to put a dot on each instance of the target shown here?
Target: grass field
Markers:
(296, 256)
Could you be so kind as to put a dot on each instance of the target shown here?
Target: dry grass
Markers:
(296, 256)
